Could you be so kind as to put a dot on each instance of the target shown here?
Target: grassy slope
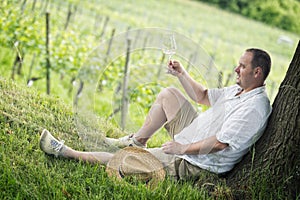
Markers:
(27, 173)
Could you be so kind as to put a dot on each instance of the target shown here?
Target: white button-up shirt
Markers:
(238, 121)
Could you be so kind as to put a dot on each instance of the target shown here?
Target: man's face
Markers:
(245, 74)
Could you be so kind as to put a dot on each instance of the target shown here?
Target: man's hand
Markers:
(175, 68)
(206, 146)
(174, 148)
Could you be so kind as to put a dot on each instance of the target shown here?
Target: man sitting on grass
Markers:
(214, 140)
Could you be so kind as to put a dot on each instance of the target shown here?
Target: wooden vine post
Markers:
(109, 44)
(47, 53)
(68, 16)
(124, 105)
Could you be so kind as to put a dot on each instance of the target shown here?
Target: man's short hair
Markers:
(261, 59)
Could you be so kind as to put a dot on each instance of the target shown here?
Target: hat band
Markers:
(122, 175)
(120, 172)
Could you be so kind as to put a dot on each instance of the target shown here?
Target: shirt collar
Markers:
(246, 95)
(252, 93)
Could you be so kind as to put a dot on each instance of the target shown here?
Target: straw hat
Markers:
(134, 163)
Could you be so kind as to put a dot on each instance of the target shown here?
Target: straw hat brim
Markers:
(137, 163)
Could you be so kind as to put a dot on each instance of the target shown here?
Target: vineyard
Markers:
(104, 59)
(48, 44)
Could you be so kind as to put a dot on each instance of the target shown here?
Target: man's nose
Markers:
(237, 69)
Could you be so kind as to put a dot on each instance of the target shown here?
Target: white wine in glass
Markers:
(169, 45)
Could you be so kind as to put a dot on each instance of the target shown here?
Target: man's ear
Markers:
(258, 71)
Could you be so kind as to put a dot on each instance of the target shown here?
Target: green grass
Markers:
(27, 173)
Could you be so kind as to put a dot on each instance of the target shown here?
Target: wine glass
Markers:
(169, 45)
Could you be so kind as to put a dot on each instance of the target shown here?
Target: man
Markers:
(214, 140)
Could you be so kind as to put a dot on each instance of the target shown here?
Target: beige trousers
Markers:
(175, 166)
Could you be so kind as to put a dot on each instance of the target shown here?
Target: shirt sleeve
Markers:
(242, 128)
(214, 95)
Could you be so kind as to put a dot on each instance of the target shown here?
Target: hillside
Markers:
(223, 35)
(27, 173)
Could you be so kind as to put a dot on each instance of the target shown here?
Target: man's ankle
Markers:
(139, 141)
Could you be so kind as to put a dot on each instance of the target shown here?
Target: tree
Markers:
(275, 159)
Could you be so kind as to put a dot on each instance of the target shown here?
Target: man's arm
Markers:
(206, 146)
(196, 91)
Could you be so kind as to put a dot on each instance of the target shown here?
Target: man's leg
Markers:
(91, 157)
(165, 108)
(52, 146)
(183, 118)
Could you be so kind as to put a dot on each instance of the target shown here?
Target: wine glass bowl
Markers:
(169, 45)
